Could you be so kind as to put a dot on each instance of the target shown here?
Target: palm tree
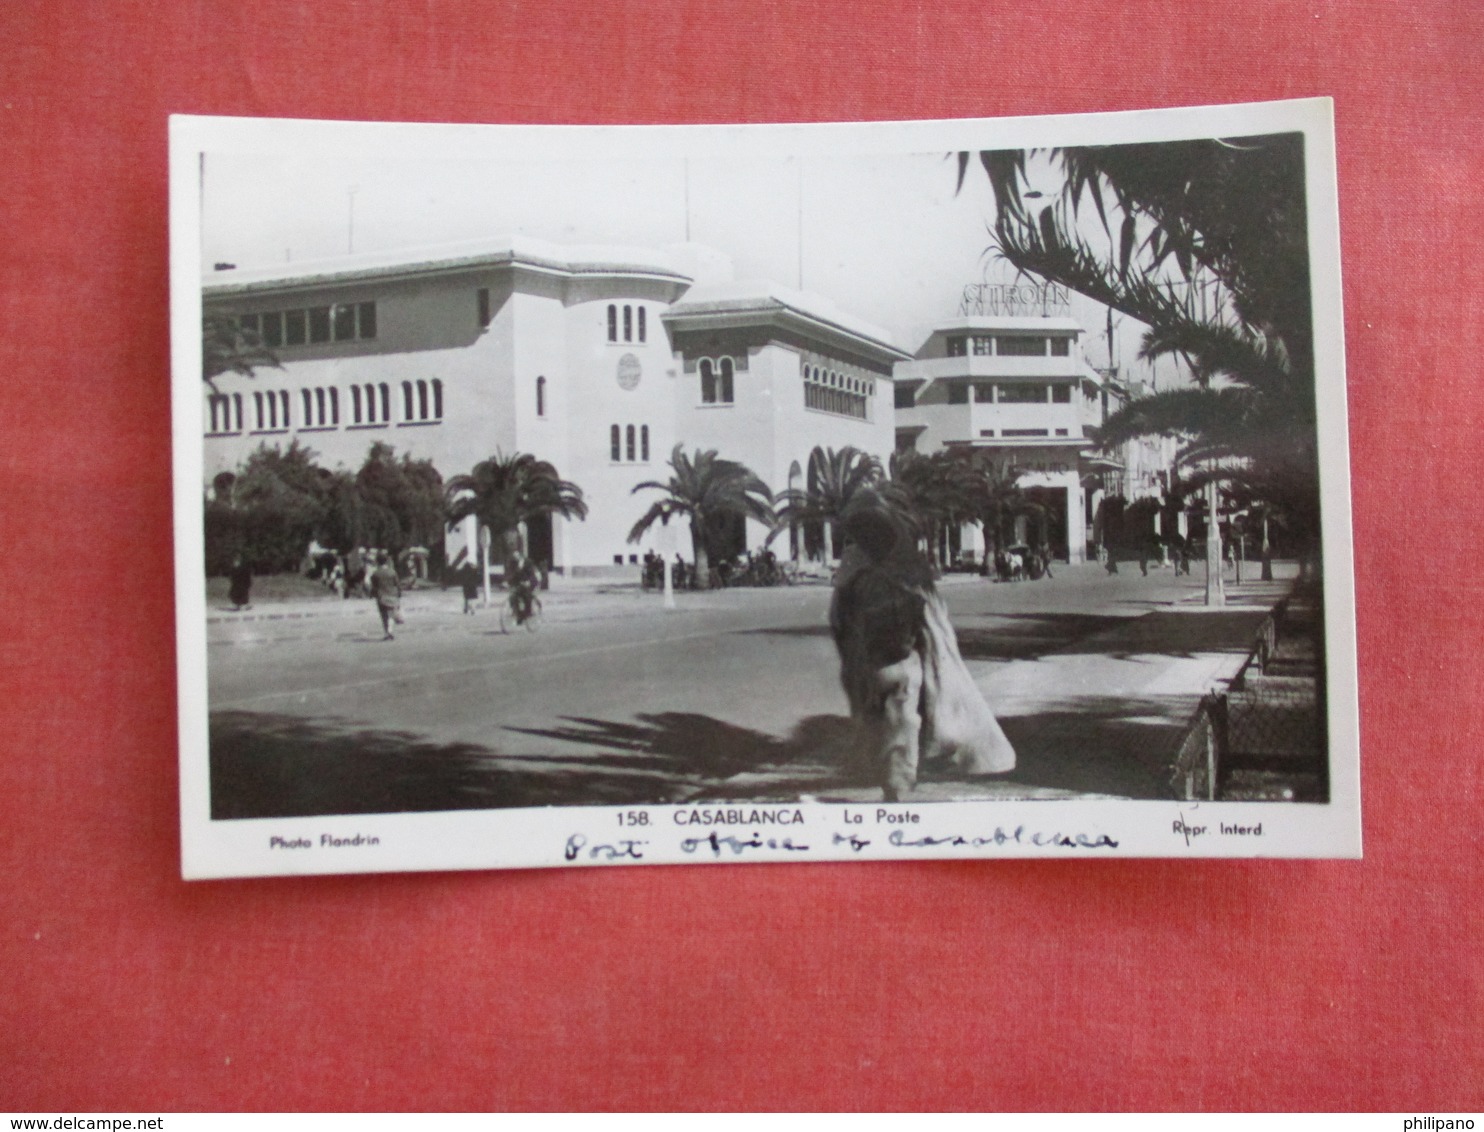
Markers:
(1000, 500)
(505, 491)
(1205, 242)
(227, 348)
(936, 492)
(834, 476)
(704, 489)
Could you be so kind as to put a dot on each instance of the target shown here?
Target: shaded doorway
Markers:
(1049, 523)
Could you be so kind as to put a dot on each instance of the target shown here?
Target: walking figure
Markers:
(910, 694)
(522, 576)
(387, 591)
(469, 580)
(240, 589)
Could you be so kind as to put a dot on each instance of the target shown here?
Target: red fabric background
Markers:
(1330, 985)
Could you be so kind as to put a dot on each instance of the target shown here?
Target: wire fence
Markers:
(1263, 738)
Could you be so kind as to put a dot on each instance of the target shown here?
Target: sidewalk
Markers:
(1102, 715)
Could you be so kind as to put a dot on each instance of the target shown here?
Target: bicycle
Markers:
(521, 608)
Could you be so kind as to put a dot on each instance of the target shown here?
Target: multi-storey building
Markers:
(1019, 389)
(599, 360)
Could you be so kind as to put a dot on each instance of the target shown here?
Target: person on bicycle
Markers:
(522, 577)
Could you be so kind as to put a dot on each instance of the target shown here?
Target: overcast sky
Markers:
(883, 236)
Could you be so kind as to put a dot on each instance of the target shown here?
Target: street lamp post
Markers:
(1267, 550)
(1215, 587)
(484, 559)
(666, 542)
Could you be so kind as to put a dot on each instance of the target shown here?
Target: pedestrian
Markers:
(522, 578)
(388, 594)
(240, 584)
(469, 580)
(910, 694)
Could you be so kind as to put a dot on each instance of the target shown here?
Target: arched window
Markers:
(628, 324)
(370, 404)
(644, 439)
(422, 400)
(355, 404)
(708, 382)
(319, 401)
(612, 323)
(283, 400)
(726, 381)
(613, 444)
(257, 403)
(629, 452)
(308, 408)
(334, 406)
(237, 410)
(437, 399)
(386, 403)
(641, 324)
(407, 401)
(541, 396)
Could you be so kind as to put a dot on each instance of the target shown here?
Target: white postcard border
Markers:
(592, 835)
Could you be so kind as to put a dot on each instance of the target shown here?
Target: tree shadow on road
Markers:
(268, 765)
(702, 757)
(1032, 636)
(1100, 745)
(1026, 636)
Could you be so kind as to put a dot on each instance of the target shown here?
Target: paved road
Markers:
(732, 695)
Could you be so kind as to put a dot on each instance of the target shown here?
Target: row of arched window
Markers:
(717, 385)
(321, 407)
(832, 392)
(622, 447)
(422, 400)
(225, 411)
(369, 404)
(633, 322)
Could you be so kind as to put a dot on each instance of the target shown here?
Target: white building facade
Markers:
(599, 360)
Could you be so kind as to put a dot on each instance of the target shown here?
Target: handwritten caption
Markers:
(738, 832)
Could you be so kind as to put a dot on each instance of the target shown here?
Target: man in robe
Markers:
(910, 693)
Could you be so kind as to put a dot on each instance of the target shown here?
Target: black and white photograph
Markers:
(583, 495)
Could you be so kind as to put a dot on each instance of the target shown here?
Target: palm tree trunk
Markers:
(702, 578)
(829, 543)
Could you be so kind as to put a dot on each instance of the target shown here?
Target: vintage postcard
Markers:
(617, 495)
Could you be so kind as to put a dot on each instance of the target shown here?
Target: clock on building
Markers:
(629, 372)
